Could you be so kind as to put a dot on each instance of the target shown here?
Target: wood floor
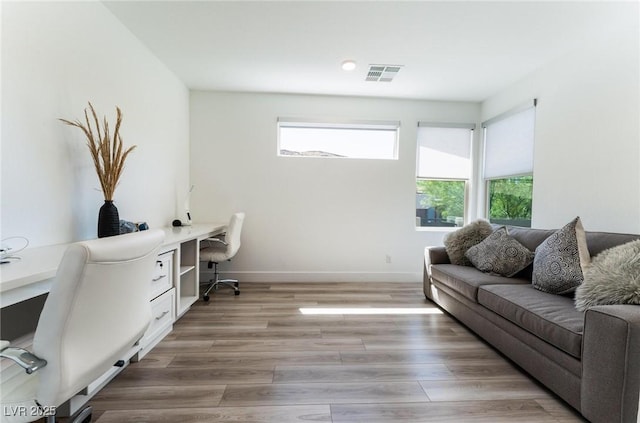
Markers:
(256, 358)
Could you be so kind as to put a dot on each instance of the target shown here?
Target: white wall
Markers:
(587, 147)
(312, 219)
(56, 56)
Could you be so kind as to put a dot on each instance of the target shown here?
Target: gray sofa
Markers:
(590, 359)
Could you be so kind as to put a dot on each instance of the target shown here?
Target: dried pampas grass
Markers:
(106, 150)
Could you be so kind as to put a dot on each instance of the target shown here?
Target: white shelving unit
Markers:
(188, 280)
(185, 242)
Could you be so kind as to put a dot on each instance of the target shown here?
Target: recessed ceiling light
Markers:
(348, 65)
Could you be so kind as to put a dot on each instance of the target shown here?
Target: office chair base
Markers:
(214, 284)
(216, 281)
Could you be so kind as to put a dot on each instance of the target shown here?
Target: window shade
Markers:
(443, 152)
(508, 149)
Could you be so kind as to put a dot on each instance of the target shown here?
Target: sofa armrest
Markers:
(432, 255)
(436, 255)
(610, 363)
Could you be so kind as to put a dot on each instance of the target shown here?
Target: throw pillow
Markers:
(560, 260)
(612, 278)
(458, 242)
(501, 254)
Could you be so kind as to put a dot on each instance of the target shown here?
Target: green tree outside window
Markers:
(446, 198)
(510, 199)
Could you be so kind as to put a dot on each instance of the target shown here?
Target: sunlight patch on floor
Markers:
(368, 310)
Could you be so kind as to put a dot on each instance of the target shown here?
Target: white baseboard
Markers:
(253, 276)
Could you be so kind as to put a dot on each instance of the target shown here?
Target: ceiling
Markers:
(450, 50)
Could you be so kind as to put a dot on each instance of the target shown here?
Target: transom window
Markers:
(354, 140)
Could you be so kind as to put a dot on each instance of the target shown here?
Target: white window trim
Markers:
(338, 123)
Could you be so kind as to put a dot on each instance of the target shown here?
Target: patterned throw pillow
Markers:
(457, 243)
(560, 259)
(500, 254)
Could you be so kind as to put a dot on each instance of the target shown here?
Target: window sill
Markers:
(445, 229)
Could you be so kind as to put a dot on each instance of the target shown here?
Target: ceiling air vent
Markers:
(382, 73)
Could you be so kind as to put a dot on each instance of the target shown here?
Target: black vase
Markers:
(108, 220)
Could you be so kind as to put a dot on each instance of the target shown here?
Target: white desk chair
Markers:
(217, 250)
(97, 310)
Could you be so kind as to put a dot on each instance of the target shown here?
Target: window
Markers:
(443, 172)
(356, 140)
(508, 166)
(509, 200)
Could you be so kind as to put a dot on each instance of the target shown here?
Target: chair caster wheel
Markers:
(237, 292)
(205, 298)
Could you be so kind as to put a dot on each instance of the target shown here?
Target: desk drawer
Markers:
(162, 275)
(163, 313)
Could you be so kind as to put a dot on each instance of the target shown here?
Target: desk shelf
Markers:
(185, 243)
(186, 302)
(189, 291)
(185, 269)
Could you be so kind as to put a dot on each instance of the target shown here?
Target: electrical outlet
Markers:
(388, 258)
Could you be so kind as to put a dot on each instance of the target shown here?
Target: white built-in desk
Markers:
(32, 275)
(172, 290)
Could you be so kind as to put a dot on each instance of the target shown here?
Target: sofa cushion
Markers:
(466, 280)
(559, 260)
(612, 278)
(500, 254)
(552, 318)
(458, 242)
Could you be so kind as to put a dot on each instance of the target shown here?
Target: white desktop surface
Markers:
(173, 235)
(32, 274)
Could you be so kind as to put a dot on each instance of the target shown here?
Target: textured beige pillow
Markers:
(458, 242)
